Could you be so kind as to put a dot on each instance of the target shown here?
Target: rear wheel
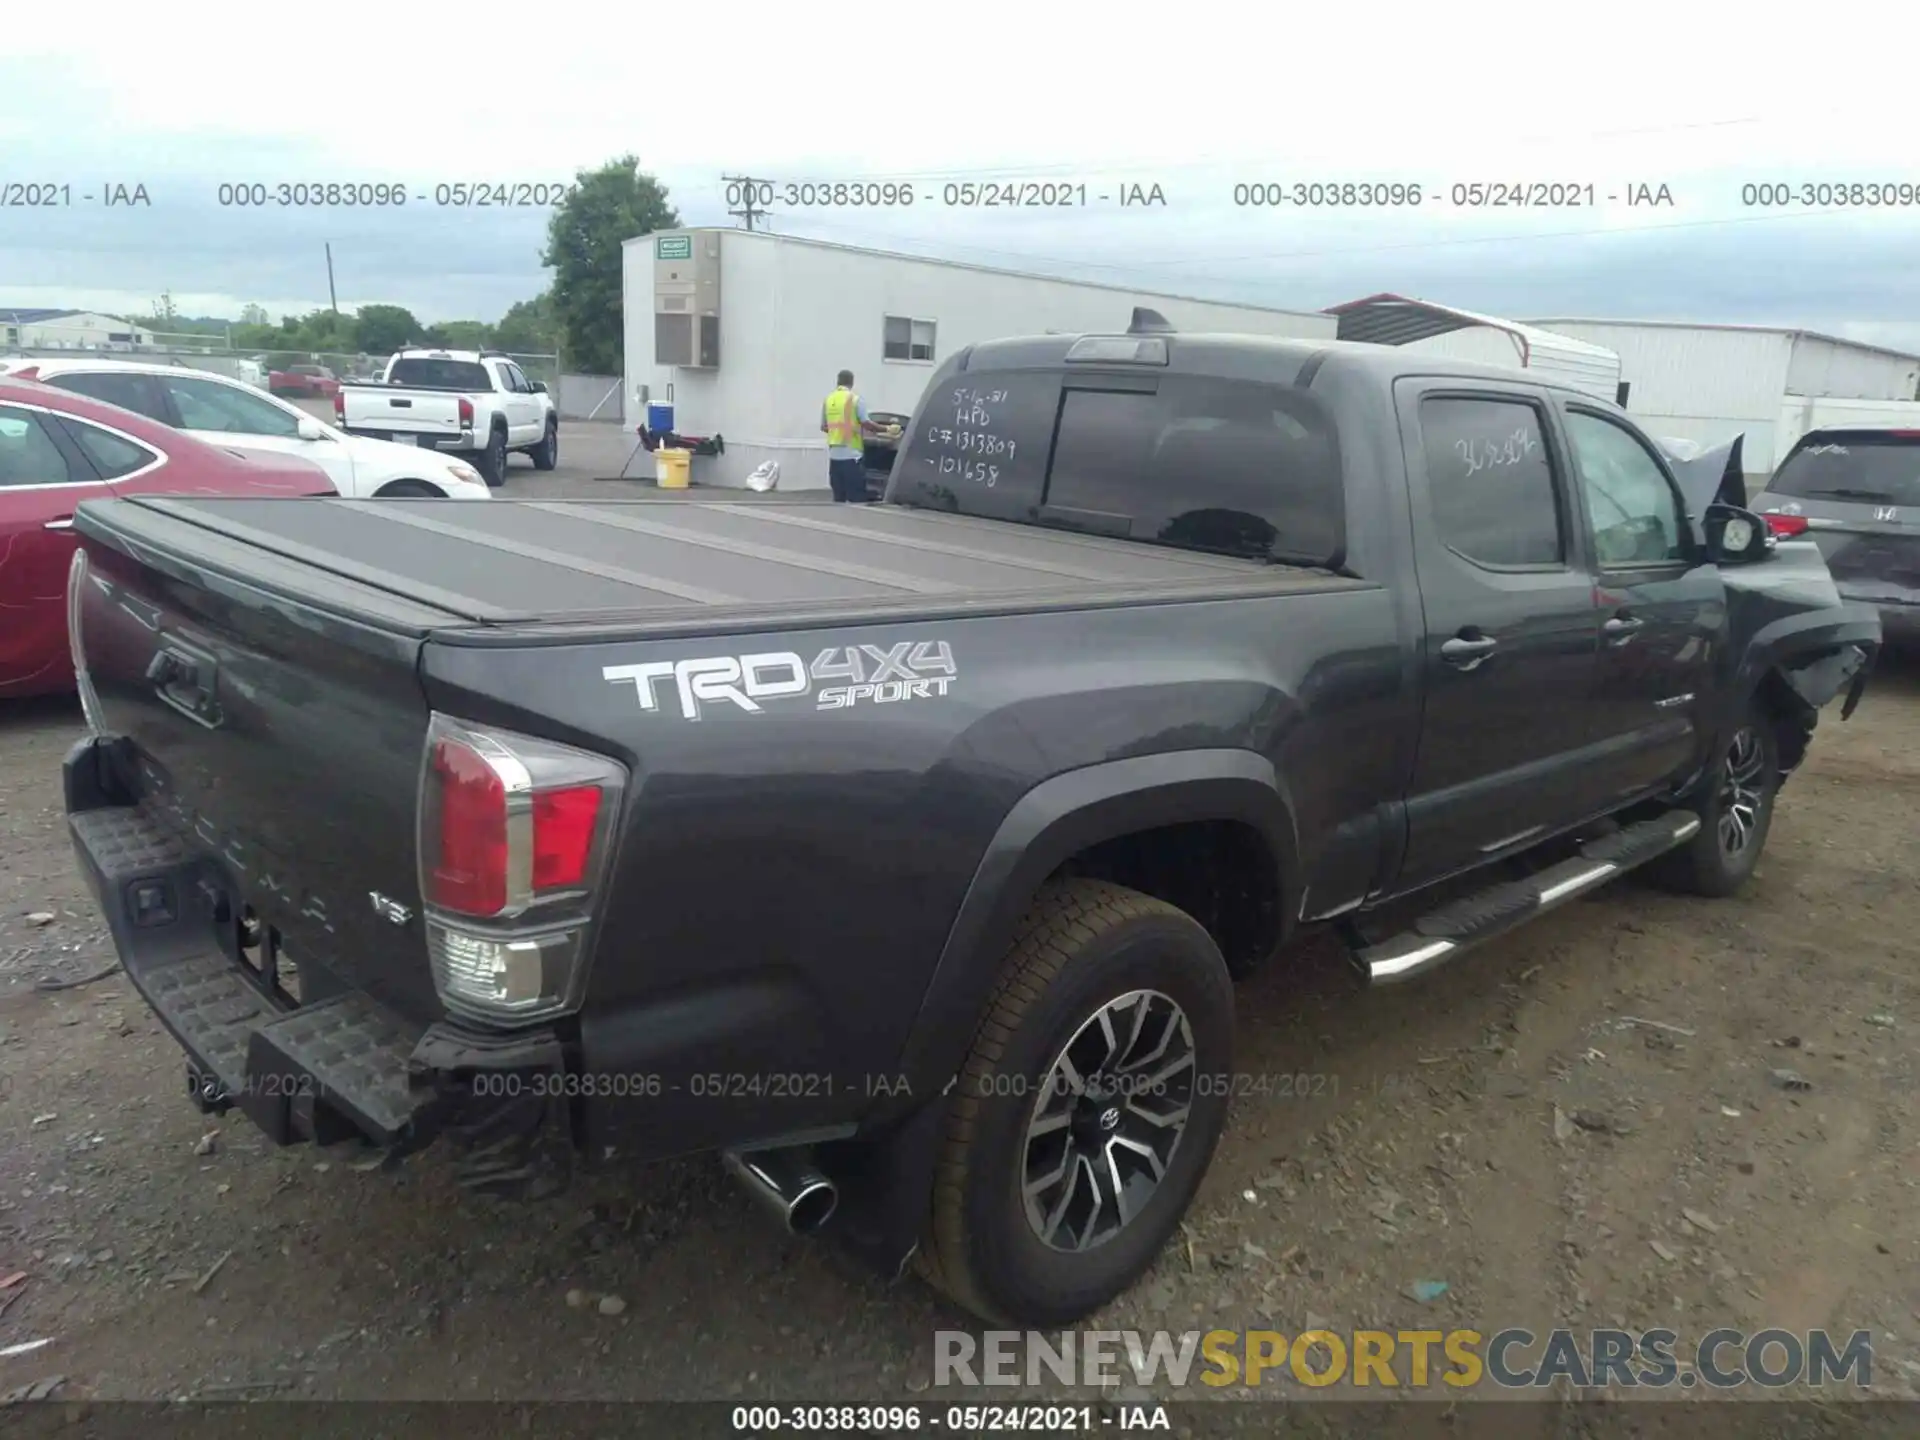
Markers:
(492, 461)
(546, 454)
(1088, 1109)
(1736, 813)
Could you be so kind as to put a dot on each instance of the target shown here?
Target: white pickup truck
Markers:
(475, 403)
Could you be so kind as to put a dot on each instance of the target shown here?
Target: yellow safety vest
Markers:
(843, 420)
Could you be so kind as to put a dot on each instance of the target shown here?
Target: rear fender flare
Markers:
(1049, 824)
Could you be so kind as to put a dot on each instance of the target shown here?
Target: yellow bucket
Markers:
(674, 468)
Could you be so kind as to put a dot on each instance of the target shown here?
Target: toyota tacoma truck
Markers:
(476, 404)
(903, 855)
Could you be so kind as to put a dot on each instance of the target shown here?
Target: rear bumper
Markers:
(324, 1070)
(462, 442)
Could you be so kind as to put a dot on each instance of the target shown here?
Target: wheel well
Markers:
(410, 487)
(1221, 872)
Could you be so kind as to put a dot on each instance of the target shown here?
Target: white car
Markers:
(235, 416)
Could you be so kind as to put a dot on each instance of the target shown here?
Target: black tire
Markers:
(1082, 946)
(403, 488)
(1735, 806)
(546, 454)
(492, 461)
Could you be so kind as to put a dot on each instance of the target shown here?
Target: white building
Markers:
(1458, 334)
(69, 330)
(743, 333)
(1708, 383)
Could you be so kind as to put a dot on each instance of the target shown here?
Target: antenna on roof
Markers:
(1148, 322)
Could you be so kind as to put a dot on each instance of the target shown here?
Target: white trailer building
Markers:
(1708, 383)
(742, 332)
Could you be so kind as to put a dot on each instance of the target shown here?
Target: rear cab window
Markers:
(432, 374)
(1224, 466)
(1864, 467)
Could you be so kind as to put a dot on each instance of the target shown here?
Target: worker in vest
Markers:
(844, 420)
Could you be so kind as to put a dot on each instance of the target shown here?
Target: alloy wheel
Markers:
(1741, 791)
(1108, 1119)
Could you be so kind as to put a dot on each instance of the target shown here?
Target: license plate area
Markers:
(406, 439)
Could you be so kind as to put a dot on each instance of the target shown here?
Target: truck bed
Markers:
(707, 565)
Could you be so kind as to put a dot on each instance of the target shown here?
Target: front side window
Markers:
(1491, 481)
(209, 405)
(1634, 512)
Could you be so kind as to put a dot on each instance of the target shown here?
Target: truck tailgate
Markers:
(272, 719)
(412, 412)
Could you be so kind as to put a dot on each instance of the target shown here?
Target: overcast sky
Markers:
(1194, 99)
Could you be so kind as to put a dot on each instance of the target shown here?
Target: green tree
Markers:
(253, 315)
(529, 327)
(607, 206)
(382, 329)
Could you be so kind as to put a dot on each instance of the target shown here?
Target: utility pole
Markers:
(749, 192)
(332, 296)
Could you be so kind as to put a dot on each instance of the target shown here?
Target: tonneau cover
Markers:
(698, 562)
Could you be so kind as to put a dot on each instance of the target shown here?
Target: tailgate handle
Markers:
(186, 682)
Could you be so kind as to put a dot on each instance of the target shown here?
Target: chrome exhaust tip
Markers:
(787, 1183)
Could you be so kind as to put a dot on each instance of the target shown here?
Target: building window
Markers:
(904, 339)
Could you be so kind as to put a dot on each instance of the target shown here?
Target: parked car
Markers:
(57, 450)
(903, 853)
(475, 403)
(224, 411)
(304, 382)
(1856, 494)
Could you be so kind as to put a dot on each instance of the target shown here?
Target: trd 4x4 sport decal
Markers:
(870, 675)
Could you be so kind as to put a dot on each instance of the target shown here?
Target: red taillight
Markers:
(564, 822)
(466, 412)
(470, 873)
(340, 406)
(473, 870)
(1787, 524)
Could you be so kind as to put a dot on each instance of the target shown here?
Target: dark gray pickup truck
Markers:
(903, 854)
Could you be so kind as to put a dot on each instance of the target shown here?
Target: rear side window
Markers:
(1227, 466)
(111, 456)
(28, 454)
(1491, 481)
(129, 391)
(441, 374)
(1868, 467)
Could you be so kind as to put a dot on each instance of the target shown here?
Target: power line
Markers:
(749, 190)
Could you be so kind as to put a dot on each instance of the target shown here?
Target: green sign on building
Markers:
(673, 247)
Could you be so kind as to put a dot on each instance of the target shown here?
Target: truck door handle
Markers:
(65, 522)
(1464, 651)
(1621, 628)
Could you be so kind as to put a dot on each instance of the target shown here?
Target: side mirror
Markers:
(1736, 536)
(540, 386)
(312, 429)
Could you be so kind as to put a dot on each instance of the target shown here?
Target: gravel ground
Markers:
(1581, 1125)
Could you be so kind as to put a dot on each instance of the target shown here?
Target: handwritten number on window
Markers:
(1489, 454)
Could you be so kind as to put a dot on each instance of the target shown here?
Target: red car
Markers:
(58, 449)
(304, 380)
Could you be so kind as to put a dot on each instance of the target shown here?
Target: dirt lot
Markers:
(1533, 1127)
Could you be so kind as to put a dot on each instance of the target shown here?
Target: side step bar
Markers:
(1440, 935)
